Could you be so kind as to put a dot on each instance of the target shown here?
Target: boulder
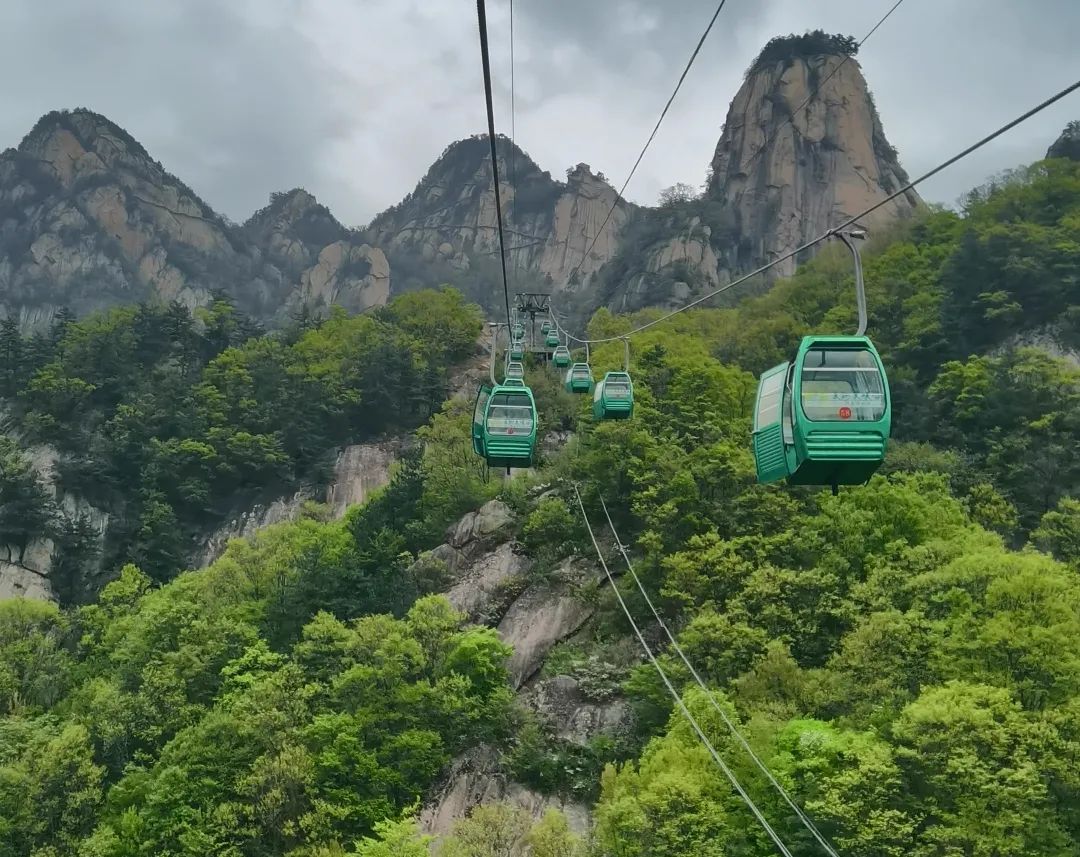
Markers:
(492, 519)
(486, 585)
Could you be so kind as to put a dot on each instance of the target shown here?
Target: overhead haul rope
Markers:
(826, 79)
(803, 817)
(735, 784)
(481, 17)
(843, 226)
(645, 148)
(513, 114)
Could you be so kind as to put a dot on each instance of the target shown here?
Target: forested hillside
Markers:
(905, 657)
(169, 420)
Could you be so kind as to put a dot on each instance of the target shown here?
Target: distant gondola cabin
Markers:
(579, 378)
(613, 397)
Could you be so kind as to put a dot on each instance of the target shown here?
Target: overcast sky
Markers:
(354, 99)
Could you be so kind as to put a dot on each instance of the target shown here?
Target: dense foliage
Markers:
(953, 299)
(905, 656)
(786, 49)
(170, 420)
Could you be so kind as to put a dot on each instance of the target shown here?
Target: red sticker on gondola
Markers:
(509, 430)
(845, 413)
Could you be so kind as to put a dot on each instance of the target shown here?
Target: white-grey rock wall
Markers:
(360, 470)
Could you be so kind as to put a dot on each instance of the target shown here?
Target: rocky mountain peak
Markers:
(88, 220)
(802, 149)
(92, 131)
(1068, 144)
(293, 229)
(447, 229)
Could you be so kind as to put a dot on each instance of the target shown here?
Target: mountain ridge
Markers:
(801, 147)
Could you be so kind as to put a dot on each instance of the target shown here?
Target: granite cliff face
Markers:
(88, 219)
(317, 255)
(1068, 144)
(790, 172)
(802, 150)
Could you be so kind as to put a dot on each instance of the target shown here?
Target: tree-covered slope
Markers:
(905, 657)
(169, 420)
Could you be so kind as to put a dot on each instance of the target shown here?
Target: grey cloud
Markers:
(353, 99)
(225, 102)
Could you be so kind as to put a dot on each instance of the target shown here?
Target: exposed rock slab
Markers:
(354, 277)
(475, 778)
(535, 622)
(483, 591)
(360, 469)
(248, 523)
(27, 575)
(482, 527)
(791, 172)
(571, 716)
(18, 581)
(1046, 338)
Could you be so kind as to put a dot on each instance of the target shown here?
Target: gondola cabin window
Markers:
(510, 414)
(788, 407)
(481, 403)
(617, 388)
(839, 385)
(768, 406)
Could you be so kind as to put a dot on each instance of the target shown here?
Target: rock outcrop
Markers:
(493, 582)
(571, 715)
(28, 572)
(537, 620)
(802, 150)
(1068, 144)
(88, 220)
(477, 777)
(360, 469)
(329, 264)
(18, 580)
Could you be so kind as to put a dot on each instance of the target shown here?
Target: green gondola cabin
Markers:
(514, 369)
(517, 351)
(613, 397)
(552, 339)
(561, 356)
(824, 418)
(579, 378)
(504, 425)
(545, 327)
